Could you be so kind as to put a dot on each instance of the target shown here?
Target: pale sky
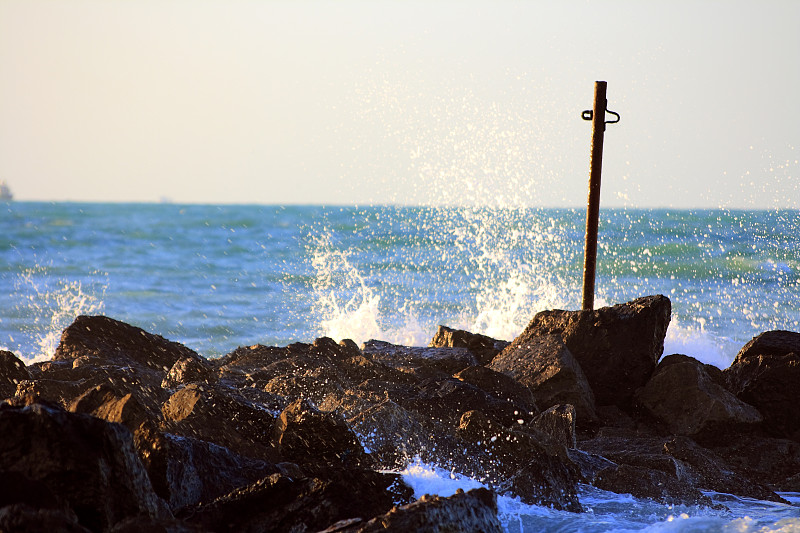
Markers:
(430, 102)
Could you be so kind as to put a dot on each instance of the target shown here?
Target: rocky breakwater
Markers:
(124, 430)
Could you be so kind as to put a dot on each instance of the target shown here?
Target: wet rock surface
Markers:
(124, 430)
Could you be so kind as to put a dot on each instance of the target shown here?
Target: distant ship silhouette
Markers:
(5, 192)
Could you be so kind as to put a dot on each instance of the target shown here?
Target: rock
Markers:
(393, 435)
(12, 371)
(546, 366)
(475, 510)
(138, 524)
(765, 374)
(17, 489)
(683, 396)
(772, 462)
(688, 468)
(499, 385)
(559, 423)
(190, 471)
(777, 343)
(709, 471)
(189, 370)
(302, 434)
(113, 340)
(617, 347)
(482, 347)
(445, 360)
(91, 463)
(21, 518)
(278, 503)
(656, 485)
(521, 462)
(297, 387)
(221, 416)
(443, 400)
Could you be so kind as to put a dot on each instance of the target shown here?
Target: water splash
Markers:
(487, 270)
(49, 304)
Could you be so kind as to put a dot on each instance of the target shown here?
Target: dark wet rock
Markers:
(521, 462)
(617, 347)
(17, 489)
(688, 468)
(63, 381)
(482, 347)
(299, 387)
(113, 340)
(12, 371)
(642, 482)
(559, 423)
(278, 503)
(612, 417)
(589, 464)
(765, 374)
(684, 397)
(547, 367)
(771, 462)
(248, 357)
(393, 435)
(444, 400)
(90, 463)
(417, 359)
(220, 415)
(191, 470)
(139, 524)
(710, 471)
(499, 385)
(303, 434)
(22, 518)
(189, 370)
(475, 510)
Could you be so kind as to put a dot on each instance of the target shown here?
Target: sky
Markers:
(335, 102)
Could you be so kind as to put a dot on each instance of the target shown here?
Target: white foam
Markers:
(50, 311)
(700, 344)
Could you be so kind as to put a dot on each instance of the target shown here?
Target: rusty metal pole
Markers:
(598, 118)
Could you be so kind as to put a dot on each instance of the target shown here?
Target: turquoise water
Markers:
(217, 277)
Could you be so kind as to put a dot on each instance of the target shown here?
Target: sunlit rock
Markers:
(684, 396)
(617, 347)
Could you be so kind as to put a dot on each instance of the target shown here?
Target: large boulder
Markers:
(499, 385)
(393, 435)
(765, 374)
(559, 423)
(772, 462)
(668, 469)
(617, 347)
(90, 463)
(303, 434)
(112, 340)
(482, 347)
(684, 396)
(547, 367)
(12, 371)
(220, 415)
(279, 503)
(520, 461)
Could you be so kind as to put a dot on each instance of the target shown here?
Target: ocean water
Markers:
(218, 277)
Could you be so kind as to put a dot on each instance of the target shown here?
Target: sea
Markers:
(215, 277)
